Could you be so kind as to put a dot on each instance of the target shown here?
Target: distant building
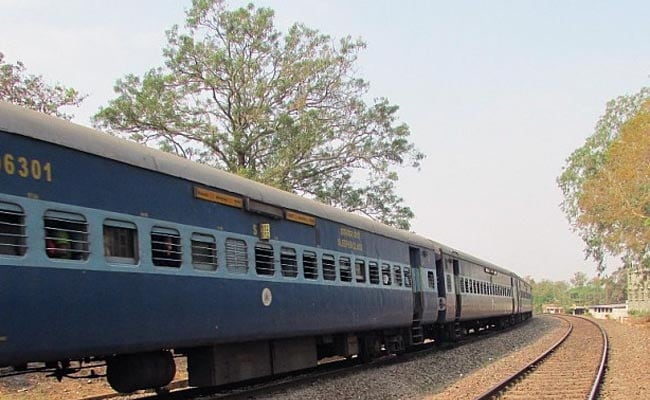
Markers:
(579, 310)
(608, 311)
(638, 288)
(552, 309)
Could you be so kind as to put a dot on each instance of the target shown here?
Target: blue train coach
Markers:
(113, 251)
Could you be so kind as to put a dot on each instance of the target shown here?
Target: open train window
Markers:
(373, 273)
(288, 262)
(397, 271)
(120, 242)
(264, 260)
(66, 235)
(13, 240)
(204, 252)
(407, 277)
(385, 274)
(310, 265)
(431, 279)
(236, 256)
(329, 267)
(166, 248)
(360, 270)
(345, 269)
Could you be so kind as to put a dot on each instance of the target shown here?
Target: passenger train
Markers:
(113, 251)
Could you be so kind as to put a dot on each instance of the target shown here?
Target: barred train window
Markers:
(66, 235)
(120, 242)
(236, 256)
(288, 262)
(329, 267)
(166, 248)
(264, 259)
(398, 275)
(12, 230)
(431, 279)
(407, 277)
(310, 265)
(360, 270)
(345, 269)
(448, 283)
(373, 272)
(385, 274)
(204, 252)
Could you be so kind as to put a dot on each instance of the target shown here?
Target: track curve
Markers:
(572, 368)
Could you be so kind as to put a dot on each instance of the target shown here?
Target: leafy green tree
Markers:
(585, 164)
(285, 109)
(615, 201)
(550, 292)
(32, 92)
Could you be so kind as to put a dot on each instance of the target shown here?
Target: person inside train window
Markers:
(57, 245)
(165, 252)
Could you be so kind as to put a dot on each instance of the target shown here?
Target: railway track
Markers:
(571, 369)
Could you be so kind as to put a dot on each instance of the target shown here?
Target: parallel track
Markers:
(572, 368)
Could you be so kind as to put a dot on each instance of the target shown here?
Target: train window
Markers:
(373, 272)
(13, 240)
(329, 267)
(345, 269)
(407, 277)
(385, 274)
(431, 279)
(397, 271)
(66, 235)
(288, 262)
(120, 242)
(204, 252)
(264, 261)
(310, 265)
(360, 270)
(236, 256)
(448, 280)
(166, 248)
(466, 285)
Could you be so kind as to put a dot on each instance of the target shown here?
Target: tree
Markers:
(32, 92)
(615, 202)
(283, 109)
(585, 164)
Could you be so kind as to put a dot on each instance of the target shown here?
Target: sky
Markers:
(497, 94)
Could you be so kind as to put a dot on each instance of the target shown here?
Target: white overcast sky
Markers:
(497, 94)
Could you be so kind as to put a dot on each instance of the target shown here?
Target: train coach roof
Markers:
(36, 125)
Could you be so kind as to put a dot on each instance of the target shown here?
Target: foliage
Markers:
(586, 162)
(615, 202)
(581, 292)
(32, 92)
(283, 109)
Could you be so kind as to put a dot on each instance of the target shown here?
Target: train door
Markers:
(442, 293)
(513, 295)
(448, 306)
(416, 263)
(417, 332)
(459, 300)
(517, 296)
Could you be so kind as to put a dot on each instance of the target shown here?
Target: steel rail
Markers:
(499, 387)
(603, 363)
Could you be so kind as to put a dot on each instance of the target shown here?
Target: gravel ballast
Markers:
(431, 373)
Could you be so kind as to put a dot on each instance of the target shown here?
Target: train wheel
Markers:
(130, 372)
